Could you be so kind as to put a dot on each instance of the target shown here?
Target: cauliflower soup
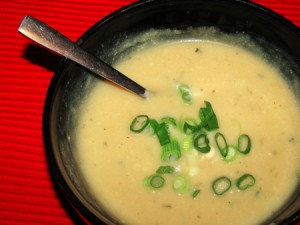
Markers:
(217, 144)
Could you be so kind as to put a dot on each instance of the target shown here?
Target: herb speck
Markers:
(292, 139)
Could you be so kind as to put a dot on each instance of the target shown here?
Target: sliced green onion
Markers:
(195, 193)
(154, 181)
(181, 184)
(221, 144)
(168, 120)
(163, 134)
(139, 123)
(171, 151)
(185, 92)
(245, 181)
(150, 129)
(205, 115)
(165, 170)
(161, 131)
(201, 143)
(221, 185)
(208, 117)
(190, 129)
(244, 144)
(154, 125)
(187, 143)
(232, 154)
(183, 121)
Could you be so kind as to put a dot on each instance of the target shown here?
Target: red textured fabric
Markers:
(27, 195)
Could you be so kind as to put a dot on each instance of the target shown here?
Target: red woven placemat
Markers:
(27, 195)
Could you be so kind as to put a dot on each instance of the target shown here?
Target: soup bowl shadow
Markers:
(71, 83)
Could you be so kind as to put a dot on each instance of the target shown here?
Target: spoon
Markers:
(55, 41)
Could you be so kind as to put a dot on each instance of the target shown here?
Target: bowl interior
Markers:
(71, 83)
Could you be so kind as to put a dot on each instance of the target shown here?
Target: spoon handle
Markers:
(55, 41)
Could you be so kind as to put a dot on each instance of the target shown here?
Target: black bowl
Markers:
(71, 83)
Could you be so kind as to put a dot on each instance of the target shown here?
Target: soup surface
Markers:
(248, 96)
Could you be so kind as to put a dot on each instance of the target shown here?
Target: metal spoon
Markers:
(55, 41)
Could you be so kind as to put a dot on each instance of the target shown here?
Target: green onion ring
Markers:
(141, 121)
(221, 185)
(245, 181)
(180, 184)
(241, 141)
(223, 149)
(155, 181)
(199, 146)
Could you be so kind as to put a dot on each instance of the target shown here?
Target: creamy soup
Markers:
(249, 98)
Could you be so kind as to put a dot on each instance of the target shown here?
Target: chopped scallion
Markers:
(194, 135)
(190, 129)
(171, 151)
(244, 144)
(221, 144)
(182, 124)
(208, 117)
(180, 184)
(163, 134)
(154, 181)
(168, 120)
(150, 129)
(232, 154)
(187, 143)
(154, 125)
(201, 143)
(165, 170)
(245, 181)
(185, 93)
(221, 185)
(195, 193)
(139, 123)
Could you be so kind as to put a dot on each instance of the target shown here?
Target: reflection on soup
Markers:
(214, 180)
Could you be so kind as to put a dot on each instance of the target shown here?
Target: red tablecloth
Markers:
(27, 195)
